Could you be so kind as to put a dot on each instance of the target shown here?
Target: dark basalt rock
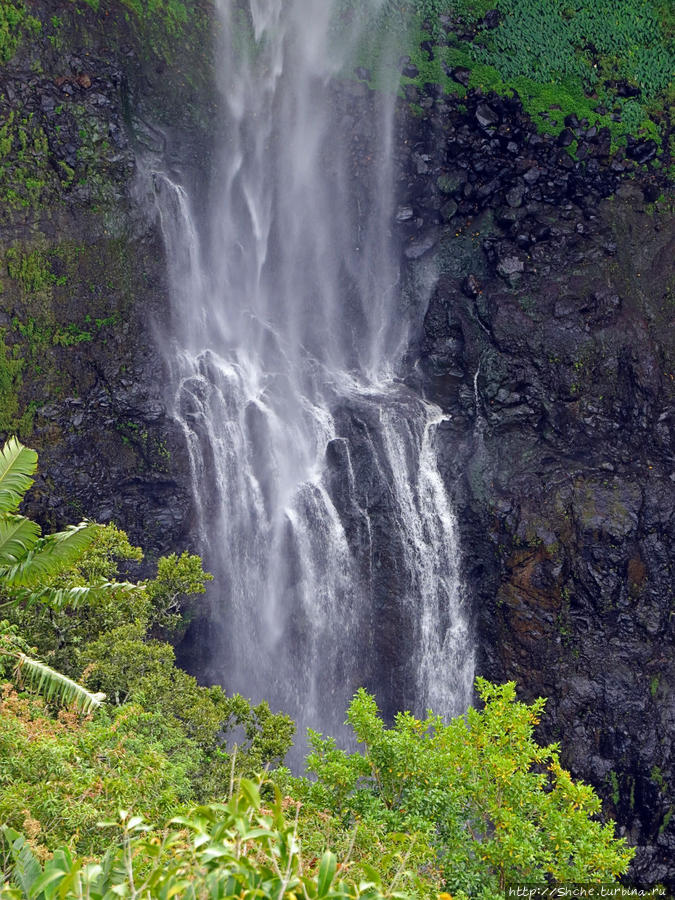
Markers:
(642, 151)
(461, 75)
(418, 246)
(486, 116)
(510, 265)
(565, 137)
(471, 286)
(448, 210)
(546, 343)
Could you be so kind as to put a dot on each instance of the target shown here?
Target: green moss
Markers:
(656, 776)
(172, 15)
(25, 173)
(654, 686)
(15, 23)
(31, 269)
(613, 780)
(165, 28)
(11, 367)
(47, 286)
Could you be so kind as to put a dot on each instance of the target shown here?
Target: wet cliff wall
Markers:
(548, 343)
(87, 92)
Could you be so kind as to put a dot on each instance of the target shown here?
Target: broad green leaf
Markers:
(251, 792)
(18, 537)
(327, 870)
(54, 686)
(51, 555)
(51, 875)
(26, 868)
(17, 464)
(73, 597)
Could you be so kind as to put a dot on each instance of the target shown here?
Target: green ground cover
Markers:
(610, 63)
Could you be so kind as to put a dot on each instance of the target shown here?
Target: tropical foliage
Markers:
(29, 562)
(60, 775)
(77, 635)
(236, 849)
(495, 805)
(424, 807)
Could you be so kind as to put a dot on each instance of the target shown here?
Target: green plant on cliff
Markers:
(14, 22)
(562, 57)
(11, 368)
(497, 806)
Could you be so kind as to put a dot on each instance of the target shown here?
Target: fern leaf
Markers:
(17, 464)
(52, 685)
(18, 536)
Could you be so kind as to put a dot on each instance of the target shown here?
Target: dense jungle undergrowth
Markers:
(119, 775)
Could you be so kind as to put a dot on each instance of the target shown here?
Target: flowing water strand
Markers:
(318, 502)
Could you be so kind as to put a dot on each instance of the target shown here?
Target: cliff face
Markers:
(82, 269)
(545, 342)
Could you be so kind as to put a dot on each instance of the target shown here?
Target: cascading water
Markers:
(320, 508)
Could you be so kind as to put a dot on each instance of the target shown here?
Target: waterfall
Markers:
(320, 508)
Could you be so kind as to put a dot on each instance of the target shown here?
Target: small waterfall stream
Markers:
(321, 511)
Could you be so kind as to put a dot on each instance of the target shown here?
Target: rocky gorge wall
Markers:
(546, 342)
(82, 269)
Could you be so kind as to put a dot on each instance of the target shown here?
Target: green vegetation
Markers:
(14, 23)
(562, 56)
(25, 174)
(495, 805)
(169, 14)
(11, 367)
(40, 284)
(241, 848)
(587, 42)
(425, 807)
(75, 632)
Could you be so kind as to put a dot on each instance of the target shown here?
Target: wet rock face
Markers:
(546, 340)
(83, 278)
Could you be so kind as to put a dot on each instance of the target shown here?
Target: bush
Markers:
(234, 850)
(495, 805)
